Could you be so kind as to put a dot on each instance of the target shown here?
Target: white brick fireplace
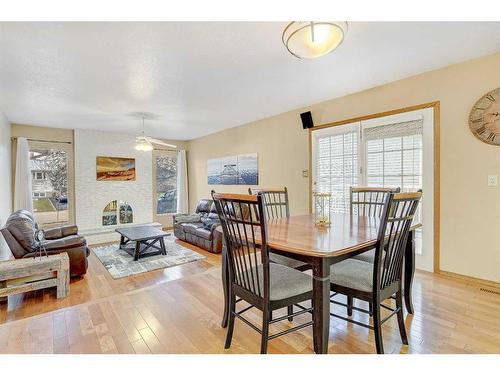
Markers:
(91, 196)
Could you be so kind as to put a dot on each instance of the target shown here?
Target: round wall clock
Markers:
(484, 118)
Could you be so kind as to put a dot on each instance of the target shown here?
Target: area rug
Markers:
(120, 264)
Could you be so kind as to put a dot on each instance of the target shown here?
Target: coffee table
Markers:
(138, 240)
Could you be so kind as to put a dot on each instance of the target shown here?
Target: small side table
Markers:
(27, 274)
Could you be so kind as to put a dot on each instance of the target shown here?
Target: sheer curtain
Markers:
(22, 184)
(182, 183)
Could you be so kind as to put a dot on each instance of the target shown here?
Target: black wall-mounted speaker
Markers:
(307, 120)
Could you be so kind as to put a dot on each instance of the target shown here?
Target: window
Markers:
(49, 169)
(336, 165)
(393, 155)
(38, 176)
(126, 213)
(114, 211)
(166, 182)
(381, 152)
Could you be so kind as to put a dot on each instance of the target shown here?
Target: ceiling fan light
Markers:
(143, 146)
(308, 40)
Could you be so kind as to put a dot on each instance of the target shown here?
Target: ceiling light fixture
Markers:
(143, 145)
(308, 40)
(143, 142)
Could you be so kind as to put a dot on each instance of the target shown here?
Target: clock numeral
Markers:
(479, 108)
(490, 97)
(491, 137)
(481, 130)
(478, 120)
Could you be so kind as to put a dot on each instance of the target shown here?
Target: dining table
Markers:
(300, 238)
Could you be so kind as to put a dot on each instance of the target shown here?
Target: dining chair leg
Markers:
(266, 315)
(349, 305)
(230, 323)
(400, 314)
(370, 308)
(377, 327)
(290, 312)
(225, 288)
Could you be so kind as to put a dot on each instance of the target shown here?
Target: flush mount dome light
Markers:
(308, 40)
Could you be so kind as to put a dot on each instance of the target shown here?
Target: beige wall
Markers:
(470, 210)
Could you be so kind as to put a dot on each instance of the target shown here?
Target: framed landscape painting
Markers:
(115, 169)
(233, 170)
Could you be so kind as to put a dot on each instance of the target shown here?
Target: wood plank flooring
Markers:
(98, 283)
(178, 310)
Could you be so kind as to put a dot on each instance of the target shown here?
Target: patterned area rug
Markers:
(121, 264)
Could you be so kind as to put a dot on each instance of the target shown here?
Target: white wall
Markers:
(91, 196)
(5, 181)
(5, 169)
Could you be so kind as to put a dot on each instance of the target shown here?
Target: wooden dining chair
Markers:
(369, 201)
(380, 280)
(276, 207)
(252, 278)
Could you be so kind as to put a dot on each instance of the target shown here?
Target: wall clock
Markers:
(484, 118)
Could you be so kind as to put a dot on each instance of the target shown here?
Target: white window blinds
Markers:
(393, 155)
(337, 167)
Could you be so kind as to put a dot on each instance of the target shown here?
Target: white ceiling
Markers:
(200, 78)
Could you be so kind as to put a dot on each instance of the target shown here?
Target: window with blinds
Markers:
(393, 158)
(393, 155)
(337, 167)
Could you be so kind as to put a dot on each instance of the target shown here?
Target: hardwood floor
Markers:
(98, 283)
(178, 310)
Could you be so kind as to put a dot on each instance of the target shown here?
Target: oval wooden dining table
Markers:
(348, 235)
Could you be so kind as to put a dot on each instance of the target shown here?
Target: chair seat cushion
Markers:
(286, 261)
(354, 274)
(367, 256)
(284, 282)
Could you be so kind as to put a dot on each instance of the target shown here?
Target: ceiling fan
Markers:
(144, 142)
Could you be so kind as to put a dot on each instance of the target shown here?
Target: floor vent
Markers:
(490, 291)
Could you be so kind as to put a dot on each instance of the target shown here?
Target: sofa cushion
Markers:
(204, 233)
(191, 227)
(210, 224)
(65, 242)
(204, 206)
(187, 218)
(22, 227)
(64, 231)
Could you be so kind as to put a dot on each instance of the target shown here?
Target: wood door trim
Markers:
(437, 162)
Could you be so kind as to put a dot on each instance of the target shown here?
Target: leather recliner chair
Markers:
(19, 233)
(200, 231)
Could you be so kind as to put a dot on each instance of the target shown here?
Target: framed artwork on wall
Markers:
(233, 170)
(115, 169)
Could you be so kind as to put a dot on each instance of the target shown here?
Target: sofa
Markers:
(19, 234)
(200, 228)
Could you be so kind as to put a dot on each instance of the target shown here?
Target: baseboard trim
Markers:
(471, 279)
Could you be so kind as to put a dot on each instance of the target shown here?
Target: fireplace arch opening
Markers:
(117, 212)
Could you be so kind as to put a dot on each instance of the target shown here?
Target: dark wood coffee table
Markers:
(138, 240)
